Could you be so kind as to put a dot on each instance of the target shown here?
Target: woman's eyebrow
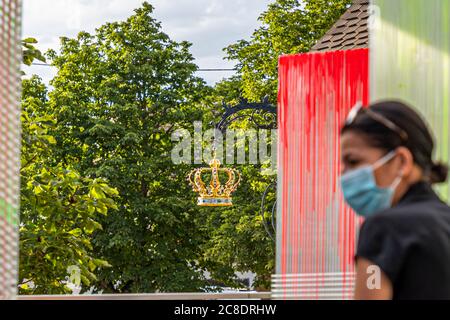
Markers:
(349, 156)
(346, 156)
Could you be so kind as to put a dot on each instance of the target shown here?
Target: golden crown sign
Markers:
(215, 194)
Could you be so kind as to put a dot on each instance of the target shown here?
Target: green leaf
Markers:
(102, 209)
(92, 266)
(85, 280)
(97, 193)
(50, 139)
(75, 232)
(29, 40)
(102, 263)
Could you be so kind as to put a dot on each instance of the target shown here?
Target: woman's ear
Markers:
(406, 161)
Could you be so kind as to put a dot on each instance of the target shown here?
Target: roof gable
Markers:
(349, 32)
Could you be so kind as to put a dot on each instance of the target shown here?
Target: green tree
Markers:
(118, 96)
(288, 27)
(59, 208)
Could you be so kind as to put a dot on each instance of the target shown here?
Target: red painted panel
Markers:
(316, 91)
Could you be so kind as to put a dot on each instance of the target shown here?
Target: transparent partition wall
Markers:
(316, 232)
(10, 58)
(410, 60)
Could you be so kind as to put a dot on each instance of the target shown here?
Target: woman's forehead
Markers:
(355, 144)
(350, 140)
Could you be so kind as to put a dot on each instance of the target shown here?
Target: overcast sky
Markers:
(209, 24)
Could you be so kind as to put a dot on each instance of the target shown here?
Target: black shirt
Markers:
(410, 242)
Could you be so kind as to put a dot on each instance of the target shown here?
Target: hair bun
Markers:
(439, 173)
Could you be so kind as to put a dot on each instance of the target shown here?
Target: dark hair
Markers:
(419, 142)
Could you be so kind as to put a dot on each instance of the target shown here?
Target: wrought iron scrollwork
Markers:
(269, 226)
(263, 114)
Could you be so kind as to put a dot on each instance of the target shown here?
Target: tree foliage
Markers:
(288, 27)
(118, 96)
(30, 52)
(99, 188)
(59, 207)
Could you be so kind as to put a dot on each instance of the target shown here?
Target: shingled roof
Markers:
(349, 32)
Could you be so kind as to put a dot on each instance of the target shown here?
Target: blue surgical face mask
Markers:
(361, 191)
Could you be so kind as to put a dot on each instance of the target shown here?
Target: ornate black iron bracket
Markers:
(263, 114)
(269, 226)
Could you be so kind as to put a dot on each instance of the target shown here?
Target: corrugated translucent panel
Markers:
(10, 59)
(316, 231)
(410, 60)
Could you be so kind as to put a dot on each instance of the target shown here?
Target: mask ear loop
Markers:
(382, 161)
(396, 182)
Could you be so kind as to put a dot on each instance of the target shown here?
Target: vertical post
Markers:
(10, 80)
(410, 61)
(316, 231)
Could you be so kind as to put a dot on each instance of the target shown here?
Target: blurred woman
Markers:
(403, 247)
